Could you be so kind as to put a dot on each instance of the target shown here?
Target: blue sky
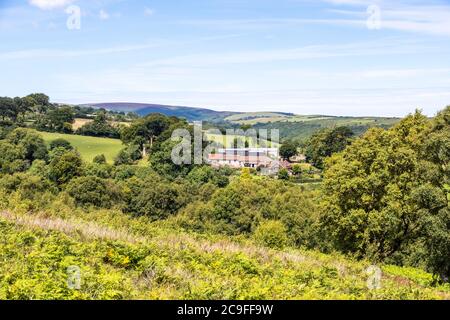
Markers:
(302, 56)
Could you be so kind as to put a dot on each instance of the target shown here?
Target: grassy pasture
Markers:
(89, 147)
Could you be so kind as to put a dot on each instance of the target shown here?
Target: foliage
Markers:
(56, 119)
(153, 197)
(60, 143)
(20, 148)
(271, 234)
(327, 142)
(283, 174)
(92, 190)
(288, 149)
(99, 159)
(62, 168)
(100, 127)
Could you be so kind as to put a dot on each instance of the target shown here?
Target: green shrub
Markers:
(94, 191)
(103, 171)
(271, 234)
(64, 167)
(60, 143)
(154, 198)
(100, 159)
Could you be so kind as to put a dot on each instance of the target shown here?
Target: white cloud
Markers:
(103, 15)
(149, 12)
(50, 4)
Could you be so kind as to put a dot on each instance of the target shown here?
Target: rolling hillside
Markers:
(291, 126)
(190, 114)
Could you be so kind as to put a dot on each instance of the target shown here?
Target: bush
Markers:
(61, 143)
(100, 127)
(64, 167)
(271, 234)
(283, 174)
(100, 159)
(153, 198)
(129, 156)
(103, 171)
(94, 191)
(123, 172)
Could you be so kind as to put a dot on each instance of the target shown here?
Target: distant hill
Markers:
(291, 126)
(143, 109)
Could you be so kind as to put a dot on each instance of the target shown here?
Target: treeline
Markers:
(36, 111)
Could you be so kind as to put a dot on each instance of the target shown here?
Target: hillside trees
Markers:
(20, 148)
(288, 149)
(385, 195)
(56, 119)
(64, 166)
(91, 190)
(143, 132)
(433, 197)
(7, 107)
(100, 127)
(327, 142)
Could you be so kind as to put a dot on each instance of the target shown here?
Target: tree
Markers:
(154, 198)
(288, 149)
(100, 159)
(64, 167)
(272, 234)
(433, 196)
(128, 155)
(7, 108)
(22, 106)
(100, 127)
(57, 119)
(143, 132)
(60, 143)
(31, 141)
(19, 149)
(94, 191)
(12, 158)
(325, 143)
(283, 174)
(368, 207)
(40, 99)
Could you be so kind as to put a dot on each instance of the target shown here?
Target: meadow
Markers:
(89, 147)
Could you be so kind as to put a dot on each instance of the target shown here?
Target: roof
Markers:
(240, 158)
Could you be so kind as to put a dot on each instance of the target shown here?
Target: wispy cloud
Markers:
(55, 53)
(373, 48)
(431, 19)
(149, 12)
(50, 4)
(61, 53)
(103, 15)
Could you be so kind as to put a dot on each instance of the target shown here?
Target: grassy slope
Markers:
(125, 258)
(89, 147)
(261, 117)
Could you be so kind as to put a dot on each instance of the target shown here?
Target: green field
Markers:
(89, 147)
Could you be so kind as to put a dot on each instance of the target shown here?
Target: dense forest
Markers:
(384, 200)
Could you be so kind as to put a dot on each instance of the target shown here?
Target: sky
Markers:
(333, 57)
